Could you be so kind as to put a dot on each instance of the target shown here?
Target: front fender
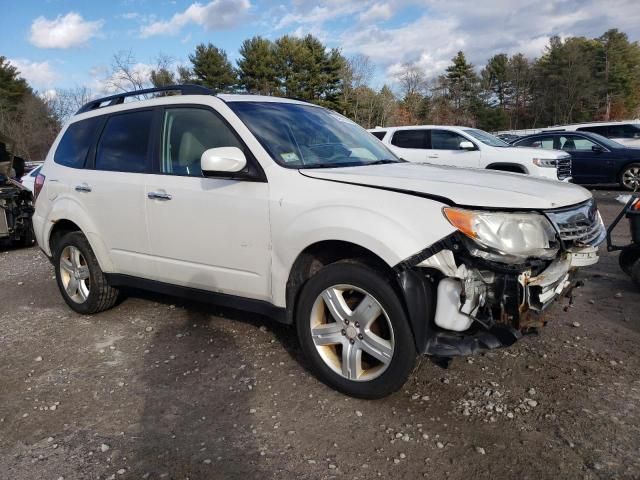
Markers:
(393, 239)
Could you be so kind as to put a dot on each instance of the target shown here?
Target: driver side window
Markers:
(186, 134)
(446, 140)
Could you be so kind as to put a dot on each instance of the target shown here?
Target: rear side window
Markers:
(624, 131)
(379, 135)
(410, 139)
(124, 143)
(77, 140)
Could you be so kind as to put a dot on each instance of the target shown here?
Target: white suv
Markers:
(291, 210)
(472, 148)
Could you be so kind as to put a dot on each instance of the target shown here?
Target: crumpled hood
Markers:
(460, 186)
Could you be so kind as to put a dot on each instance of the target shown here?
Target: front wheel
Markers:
(353, 329)
(630, 177)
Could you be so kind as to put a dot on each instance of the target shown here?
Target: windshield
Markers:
(304, 136)
(485, 137)
(607, 142)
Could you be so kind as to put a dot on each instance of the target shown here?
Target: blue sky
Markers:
(69, 43)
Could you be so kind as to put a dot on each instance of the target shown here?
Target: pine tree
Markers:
(12, 87)
(257, 66)
(212, 69)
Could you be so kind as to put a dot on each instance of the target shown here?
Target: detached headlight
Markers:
(545, 162)
(505, 237)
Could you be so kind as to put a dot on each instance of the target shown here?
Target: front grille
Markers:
(564, 168)
(580, 225)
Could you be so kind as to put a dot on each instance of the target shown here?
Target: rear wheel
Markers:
(628, 256)
(630, 177)
(635, 273)
(354, 331)
(80, 279)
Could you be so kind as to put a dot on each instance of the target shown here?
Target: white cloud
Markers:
(39, 74)
(306, 12)
(67, 31)
(215, 15)
(379, 11)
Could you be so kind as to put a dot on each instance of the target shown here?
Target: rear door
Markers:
(112, 189)
(589, 165)
(445, 149)
(410, 144)
(206, 233)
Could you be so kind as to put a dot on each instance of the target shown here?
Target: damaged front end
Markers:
(493, 280)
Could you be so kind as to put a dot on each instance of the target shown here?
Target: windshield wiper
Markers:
(385, 161)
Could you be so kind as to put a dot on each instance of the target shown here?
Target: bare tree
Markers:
(412, 80)
(126, 73)
(64, 102)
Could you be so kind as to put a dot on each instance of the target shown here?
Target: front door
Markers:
(591, 163)
(206, 233)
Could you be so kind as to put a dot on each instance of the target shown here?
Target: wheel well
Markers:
(60, 229)
(320, 254)
(507, 167)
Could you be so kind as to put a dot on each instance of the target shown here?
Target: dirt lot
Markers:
(161, 388)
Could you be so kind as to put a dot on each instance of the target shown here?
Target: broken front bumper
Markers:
(480, 305)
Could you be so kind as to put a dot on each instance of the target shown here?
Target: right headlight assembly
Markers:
(505, 237)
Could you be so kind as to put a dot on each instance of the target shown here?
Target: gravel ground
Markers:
(162, 388)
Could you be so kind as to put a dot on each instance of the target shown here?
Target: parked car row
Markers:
(471, 148)
(595, 159)
(624, 132)
(291, 210)
(580, 156)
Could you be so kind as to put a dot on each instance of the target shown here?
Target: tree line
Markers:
(575, 79)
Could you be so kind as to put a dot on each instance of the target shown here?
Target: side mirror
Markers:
(466, 145)
(222, 160)
(597, 149)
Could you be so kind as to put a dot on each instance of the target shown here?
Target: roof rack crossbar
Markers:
(117, 99)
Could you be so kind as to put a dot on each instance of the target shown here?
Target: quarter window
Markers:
(410, 139)
(186, 134)
(77, 140)
(124, 144)
(379, 135)
(446, 140)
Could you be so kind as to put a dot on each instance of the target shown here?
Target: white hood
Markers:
(462, 186)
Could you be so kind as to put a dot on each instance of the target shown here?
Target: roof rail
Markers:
(117, 99)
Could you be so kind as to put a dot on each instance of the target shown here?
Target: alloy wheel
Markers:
(352, 333)
(631, 178)
(74, 274)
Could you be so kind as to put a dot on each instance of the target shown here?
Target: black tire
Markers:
(101, 295)
(635, 273)
(375, 284)
(628, 256)
(632, 167)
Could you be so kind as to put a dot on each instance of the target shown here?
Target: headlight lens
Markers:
(545, 162)
(505, 237)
